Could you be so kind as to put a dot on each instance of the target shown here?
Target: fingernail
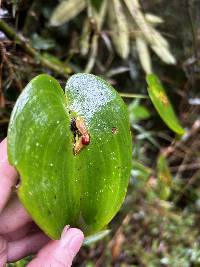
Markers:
(65, 231)
(72, 240)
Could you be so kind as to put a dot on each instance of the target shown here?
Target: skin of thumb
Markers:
(3, 252)
(60, 253)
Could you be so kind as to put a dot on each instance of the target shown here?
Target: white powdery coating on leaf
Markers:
(88, 102)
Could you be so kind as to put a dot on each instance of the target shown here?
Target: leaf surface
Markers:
(57, 186)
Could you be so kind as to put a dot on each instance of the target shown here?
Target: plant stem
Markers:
(126, 95)
(25, 45)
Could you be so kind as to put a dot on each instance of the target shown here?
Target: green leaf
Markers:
(140, 171)
(138, 112)
(42, 43)
(162, 104)
(164, 177)
(56, 61)
(20, 263)
(63, 181)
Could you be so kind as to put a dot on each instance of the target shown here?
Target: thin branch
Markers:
(127, 95)
(186, 187)
(185, 167)
(193, 29)
(25, 45)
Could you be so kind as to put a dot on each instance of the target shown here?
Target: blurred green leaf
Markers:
(144, 134)
(140, 171)
(138, 112)
(66, 11)
(89, 264)
(41, 43)
(162, 104)
(21, 263)
(57, 61)
(164, 178)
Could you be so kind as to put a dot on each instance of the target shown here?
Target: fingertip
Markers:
(65, 230)
(60, 252)
(68, 232)
(72, 239)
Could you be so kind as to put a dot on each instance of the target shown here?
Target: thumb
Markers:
(60, 253)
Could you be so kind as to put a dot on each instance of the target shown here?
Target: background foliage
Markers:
(158, 224)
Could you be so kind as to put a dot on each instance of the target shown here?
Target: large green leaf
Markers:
(59, 187)
(162, 104)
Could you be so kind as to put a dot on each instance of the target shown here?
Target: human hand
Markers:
(20, 237)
